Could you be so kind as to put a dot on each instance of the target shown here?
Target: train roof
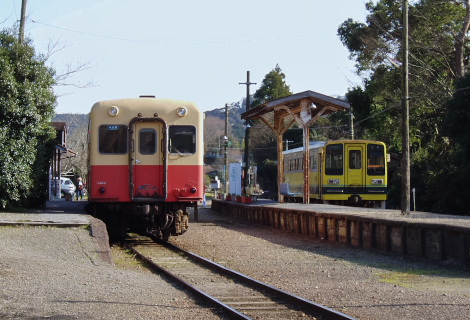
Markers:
(313, 145)
(319, 144)
(144, 101)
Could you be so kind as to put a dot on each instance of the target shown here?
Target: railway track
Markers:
(240, 296)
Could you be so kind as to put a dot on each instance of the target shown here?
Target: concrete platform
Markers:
(62, 214)
(57, 213)
(438, 237)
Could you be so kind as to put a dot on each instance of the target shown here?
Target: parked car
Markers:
(66, 186)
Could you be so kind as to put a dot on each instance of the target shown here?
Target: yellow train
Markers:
(346, 172)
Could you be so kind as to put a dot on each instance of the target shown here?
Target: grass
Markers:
(405, 278)
(126, 260)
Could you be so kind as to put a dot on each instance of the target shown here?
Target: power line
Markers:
(214, 42)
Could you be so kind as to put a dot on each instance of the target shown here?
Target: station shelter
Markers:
(303, 108)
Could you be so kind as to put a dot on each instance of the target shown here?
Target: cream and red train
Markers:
(350, 172)
(145, 164)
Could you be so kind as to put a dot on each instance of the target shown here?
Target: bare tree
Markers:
(61, 77)
(460, 63)
(214, 130)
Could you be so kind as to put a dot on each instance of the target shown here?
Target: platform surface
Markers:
(375, 213)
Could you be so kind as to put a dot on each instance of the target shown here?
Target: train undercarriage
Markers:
(352, 201)
(162, 219)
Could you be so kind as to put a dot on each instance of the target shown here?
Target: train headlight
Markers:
(181, 111)
(113, 111)
(377, 181)
(333, 181)
(193, 190)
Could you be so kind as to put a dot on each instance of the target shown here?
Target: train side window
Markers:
(182, 139)
(112, 139)
(334, 159)
(355, 159)
(375, 159)
(147, 141)
(313, 163)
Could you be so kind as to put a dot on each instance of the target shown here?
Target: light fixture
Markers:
(181, 111)
(113, 111)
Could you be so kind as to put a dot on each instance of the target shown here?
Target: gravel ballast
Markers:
(361, 283)
(62, 273)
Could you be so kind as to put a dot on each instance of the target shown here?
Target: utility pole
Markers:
(405, 179)
(351, 124)
(23, 20)
(246, 180)
(225, 149)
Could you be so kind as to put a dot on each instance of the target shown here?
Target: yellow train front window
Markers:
(355, 159)
(334, 159)
(375, 160)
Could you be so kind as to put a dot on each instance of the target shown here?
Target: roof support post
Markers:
(280, 167)
(305, 120)
(279, 127)
(306, 143)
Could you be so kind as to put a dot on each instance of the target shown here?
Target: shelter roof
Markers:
(293, 102)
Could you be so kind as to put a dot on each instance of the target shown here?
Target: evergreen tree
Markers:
(437, 33)
(26, 108)
(455, 195)
(263, 142)
(273, 87)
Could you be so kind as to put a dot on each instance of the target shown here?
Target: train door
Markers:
(147, 164)
(355, 176)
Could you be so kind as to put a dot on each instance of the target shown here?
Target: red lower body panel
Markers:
(112, 183)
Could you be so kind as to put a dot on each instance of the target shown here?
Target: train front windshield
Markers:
(334, 159)
(182, 139)
(375, 159)
(112, 139)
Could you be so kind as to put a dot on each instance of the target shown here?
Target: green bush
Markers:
(26, 108)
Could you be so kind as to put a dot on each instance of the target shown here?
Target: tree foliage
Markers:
(438, 56)
(26, 107)
(263, 142)
(455, 196)
(273, 87)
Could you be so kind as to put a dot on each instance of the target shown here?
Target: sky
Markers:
(185, 49)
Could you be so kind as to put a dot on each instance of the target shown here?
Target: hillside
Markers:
(73, 121)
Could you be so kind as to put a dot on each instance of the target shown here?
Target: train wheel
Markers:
(166, 235)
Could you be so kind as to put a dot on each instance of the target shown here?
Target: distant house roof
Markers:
(61, 126)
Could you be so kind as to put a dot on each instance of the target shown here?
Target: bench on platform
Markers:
(285, 190)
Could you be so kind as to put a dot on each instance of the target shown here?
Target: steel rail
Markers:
(305, 304)
(235, 314)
